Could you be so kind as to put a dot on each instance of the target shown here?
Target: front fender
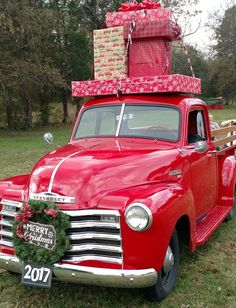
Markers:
(167, 202)
(14, 187)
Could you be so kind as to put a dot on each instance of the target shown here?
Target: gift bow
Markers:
(128, 6)
(135, 6)
(149, 4)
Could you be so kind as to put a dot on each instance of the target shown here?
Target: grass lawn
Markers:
(206, 278)
(227, 113)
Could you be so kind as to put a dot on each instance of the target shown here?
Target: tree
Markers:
(225, 53)
(43, 48)
(181, 7)
(92, 12)
(72, 58)
(44, 45)
(199, 63)
(26, 55)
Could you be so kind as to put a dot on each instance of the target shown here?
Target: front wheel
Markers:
(168, 274)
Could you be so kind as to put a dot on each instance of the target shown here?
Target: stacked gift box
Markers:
(133, 54)
(149, 51)
(146, 11)
(174, 83)
(109, 53)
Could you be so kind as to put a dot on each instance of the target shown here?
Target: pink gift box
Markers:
(152, 84)
(169, 30)
(150, 57)
(115, 19)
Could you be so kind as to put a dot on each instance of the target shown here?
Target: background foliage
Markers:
(45, 44)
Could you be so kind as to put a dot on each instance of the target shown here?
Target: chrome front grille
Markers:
(93, 234)
(7, 214)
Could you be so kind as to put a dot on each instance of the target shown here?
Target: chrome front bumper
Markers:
(90, 275)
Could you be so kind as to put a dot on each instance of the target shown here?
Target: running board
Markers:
(206, 227)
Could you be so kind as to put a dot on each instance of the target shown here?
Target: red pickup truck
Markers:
(140, 174)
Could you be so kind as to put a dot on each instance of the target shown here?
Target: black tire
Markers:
(232, 213)
(165, 281)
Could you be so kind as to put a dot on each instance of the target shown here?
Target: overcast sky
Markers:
(202, 37)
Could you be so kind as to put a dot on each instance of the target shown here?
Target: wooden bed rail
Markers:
(224, 135)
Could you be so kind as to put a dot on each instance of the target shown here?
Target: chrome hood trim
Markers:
(49, 196)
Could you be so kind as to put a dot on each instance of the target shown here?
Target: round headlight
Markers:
(138, 217)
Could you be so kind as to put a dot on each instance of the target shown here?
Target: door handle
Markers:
(210, 153)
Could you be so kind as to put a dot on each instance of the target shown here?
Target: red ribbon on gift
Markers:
(149, 5)
(23, 217)
(135, 6)
(128, 6)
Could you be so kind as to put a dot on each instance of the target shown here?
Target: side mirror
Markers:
(48, 137)
(200, 146)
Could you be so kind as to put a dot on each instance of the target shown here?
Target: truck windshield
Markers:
(140, 121)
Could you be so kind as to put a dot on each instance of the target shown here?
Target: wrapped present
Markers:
(160, 29)
(140, 85)
(149, 57)
(134, 6)
(109, 53)
(115, 19)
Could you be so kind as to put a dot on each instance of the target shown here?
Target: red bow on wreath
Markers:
(51, 212)
(23, 217)
(135, 6)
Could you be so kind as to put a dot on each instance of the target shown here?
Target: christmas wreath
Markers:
(39, 233)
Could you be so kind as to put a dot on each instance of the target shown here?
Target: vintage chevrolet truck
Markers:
(140, 174)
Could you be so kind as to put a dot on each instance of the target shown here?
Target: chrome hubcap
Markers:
(169, 261)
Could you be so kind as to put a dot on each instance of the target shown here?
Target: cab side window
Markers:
(196, 127)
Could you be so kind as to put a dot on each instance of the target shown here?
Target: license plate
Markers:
(36, 275)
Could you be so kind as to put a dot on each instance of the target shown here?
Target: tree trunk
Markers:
(78, 106)
(65, 108)
(28, 112)
(44, 111)
(9, 118)
(44, 107)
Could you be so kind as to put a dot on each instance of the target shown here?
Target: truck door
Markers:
(203, 165)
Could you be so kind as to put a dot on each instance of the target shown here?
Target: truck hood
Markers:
(90, 168)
